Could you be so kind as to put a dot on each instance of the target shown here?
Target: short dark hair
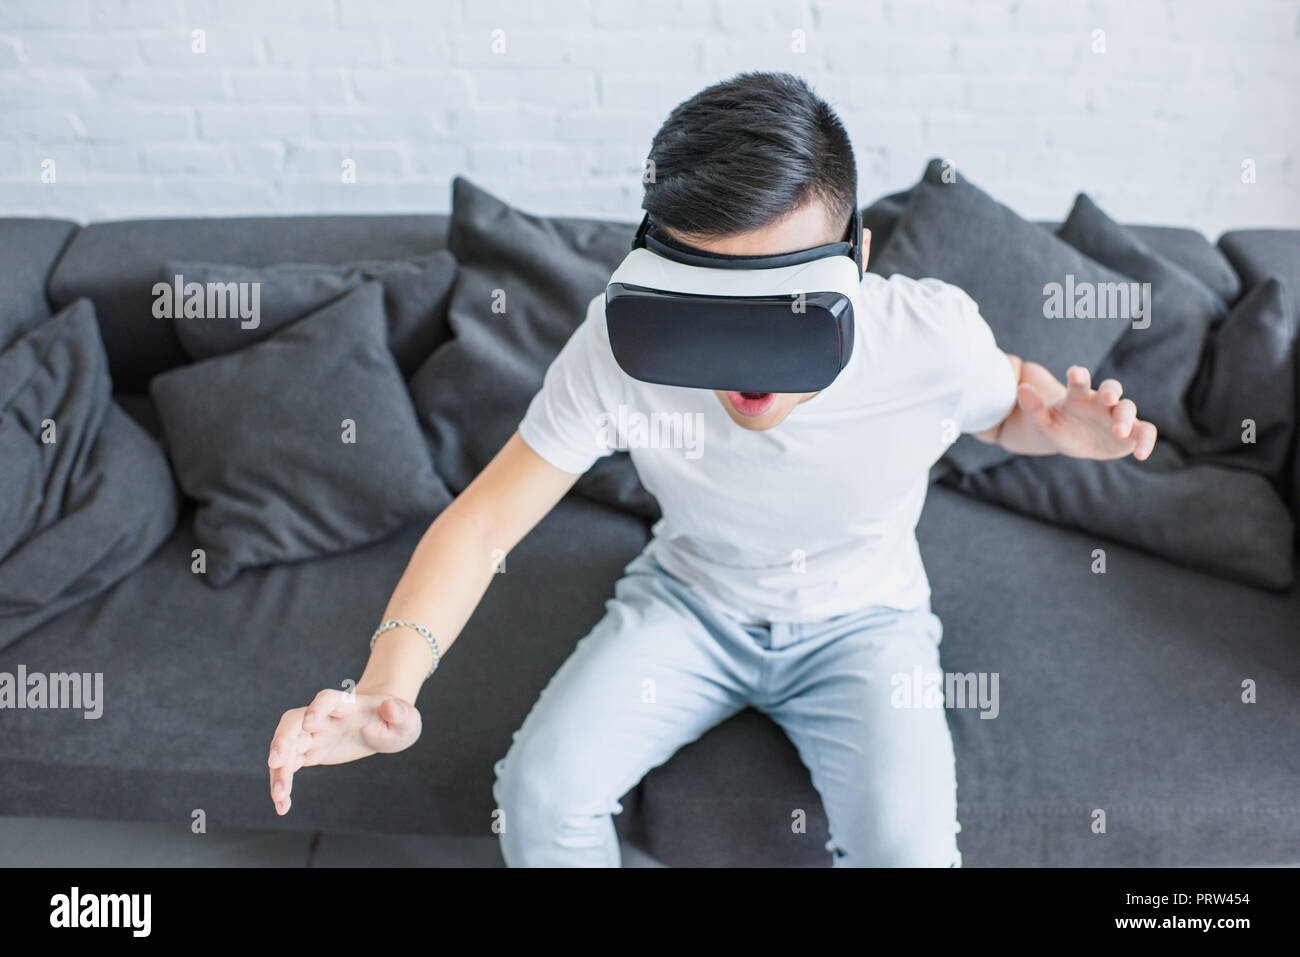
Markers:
(741, 154)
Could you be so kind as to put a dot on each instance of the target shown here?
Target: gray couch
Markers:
(1124, 699)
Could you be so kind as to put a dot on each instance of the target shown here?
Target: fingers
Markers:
(394, 712)
(1144, 435)
(285, 743)
(1078, 382)
(287, 747)
(1110, 390)
(1122, 417)
(281, 785)
(326, 705)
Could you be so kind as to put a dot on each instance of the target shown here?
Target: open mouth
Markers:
(751, 404)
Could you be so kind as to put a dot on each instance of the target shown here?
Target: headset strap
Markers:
(650, 238)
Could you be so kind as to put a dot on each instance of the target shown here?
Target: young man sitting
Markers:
(784, 574)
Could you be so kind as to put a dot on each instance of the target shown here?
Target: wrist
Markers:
(388, 689)
(399, 664)
(416, 627)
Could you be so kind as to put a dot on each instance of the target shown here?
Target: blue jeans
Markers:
(663, 666)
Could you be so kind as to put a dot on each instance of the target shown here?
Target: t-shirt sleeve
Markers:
(989, 383)
(582, 389)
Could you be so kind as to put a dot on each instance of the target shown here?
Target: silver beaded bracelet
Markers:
(428, 636)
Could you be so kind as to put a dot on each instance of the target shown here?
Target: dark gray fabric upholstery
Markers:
(1259, 254)
(141, 409)
(85, 494)
(1167, 365)
(300, 445)
(29, 248)
(196, 678)
(1157, 364)
(522, 287)
(1197, 388)
(116, 265)
(1219, 519)
(1193, 252)
(416, 291)
(881, 217)
(1250, 375)
(1186, 247)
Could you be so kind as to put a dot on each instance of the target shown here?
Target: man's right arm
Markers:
(443, 583)
(453, 565)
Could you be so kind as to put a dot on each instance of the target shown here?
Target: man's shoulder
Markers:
(924, 294)
(927, 312)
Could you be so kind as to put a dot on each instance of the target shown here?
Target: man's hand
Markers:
(1087, 423)
(337, 727)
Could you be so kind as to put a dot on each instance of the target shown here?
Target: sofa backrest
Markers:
(1257, 254)
(117, 263)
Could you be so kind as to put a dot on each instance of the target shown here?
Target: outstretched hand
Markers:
(1089, 423)
(337, 727)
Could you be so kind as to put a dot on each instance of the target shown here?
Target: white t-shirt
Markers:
(817, 516)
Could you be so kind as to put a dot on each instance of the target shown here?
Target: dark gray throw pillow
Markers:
(1244, 400)
(1185, 247)
(881, 217)
(416, 292)
(523, 286)
(301, 445)
(953, 231)
(1157, 365)
(85, 495)
(1228, 522)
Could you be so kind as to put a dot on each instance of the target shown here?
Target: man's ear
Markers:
(866, 246)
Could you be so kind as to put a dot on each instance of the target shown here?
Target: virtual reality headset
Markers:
(687, 317)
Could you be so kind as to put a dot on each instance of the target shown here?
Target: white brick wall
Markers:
(135, 123)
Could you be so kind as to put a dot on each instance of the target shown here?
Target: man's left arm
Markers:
(1070, 419)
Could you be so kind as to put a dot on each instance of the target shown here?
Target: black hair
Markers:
(741, 154)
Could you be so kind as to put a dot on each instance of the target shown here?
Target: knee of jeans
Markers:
(520, 784)
(539, 792)
(898, 837)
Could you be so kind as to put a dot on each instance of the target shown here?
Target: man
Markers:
(785, 572)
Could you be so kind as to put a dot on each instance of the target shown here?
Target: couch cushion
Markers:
(522, 287)
(117, 263)
(29, 249)
(1157, 362)
(85, 495)
(1259, 253)
(415, 301)
(196, 679)
(300, 445)
(1190, 249)
(1219, 516)
(1186, 247)
(1250, 375)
